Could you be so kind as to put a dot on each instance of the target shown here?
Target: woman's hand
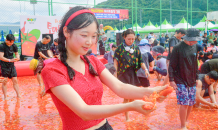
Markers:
(159, 88)
(160, 99)
(137, 105)
(147, 74)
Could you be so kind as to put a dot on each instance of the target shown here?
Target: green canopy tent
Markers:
(149, 26)
(182, 24)
(202, 24)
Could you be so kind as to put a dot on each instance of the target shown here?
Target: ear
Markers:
(66, 34)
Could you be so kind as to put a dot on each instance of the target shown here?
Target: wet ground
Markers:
(34, 113)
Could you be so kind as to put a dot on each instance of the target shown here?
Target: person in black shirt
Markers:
(42, 51)
(174, 40)
(54, 48)
(209, 66)
(183, 73)
(206, 86)
(210, 55)
(8, 70)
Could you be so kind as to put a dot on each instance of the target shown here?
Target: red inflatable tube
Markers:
(23, 69)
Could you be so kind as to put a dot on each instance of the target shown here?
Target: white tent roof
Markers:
(182, 25)
(203, 24)
(216, 25)
(149, 26)
(165, 25)
(168, 26)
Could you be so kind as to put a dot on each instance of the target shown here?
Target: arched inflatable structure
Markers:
(107, 28)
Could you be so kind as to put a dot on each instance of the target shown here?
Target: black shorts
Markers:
(106, 126)
(144, 82)
(9, 72)
(206, 93)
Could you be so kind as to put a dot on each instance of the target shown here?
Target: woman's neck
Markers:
(72, 57)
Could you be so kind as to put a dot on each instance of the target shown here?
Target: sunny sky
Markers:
(10, 11)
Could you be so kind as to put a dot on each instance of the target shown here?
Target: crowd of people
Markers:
(74, 76)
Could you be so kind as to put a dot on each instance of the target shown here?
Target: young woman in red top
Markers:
(74, 81)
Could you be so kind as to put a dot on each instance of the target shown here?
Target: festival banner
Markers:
(110, 13)
(32, 28)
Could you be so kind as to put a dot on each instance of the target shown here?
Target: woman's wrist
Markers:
(130, 106)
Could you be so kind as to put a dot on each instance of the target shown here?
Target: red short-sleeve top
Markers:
(89, 87)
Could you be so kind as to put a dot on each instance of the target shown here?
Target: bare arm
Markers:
(92, 112)
(126, 91)
(116, 66)
(42, 55)
(211, 93)
(17, 56)
(151, 64)
(2, 58)
(50, 53)
(171, 49)
(198, 94)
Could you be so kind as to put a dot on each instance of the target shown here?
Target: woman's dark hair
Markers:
(138, 38)
(89, 52)
(10, 37)
(129, 31)
(47, 37)
(209, 53)
(114, 46)
(123, 34)
(213, 75)
(56, 40)
(80, 21)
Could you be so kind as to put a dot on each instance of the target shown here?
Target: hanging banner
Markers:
(110, 13)
(32, 28)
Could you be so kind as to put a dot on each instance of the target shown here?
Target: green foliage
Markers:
(179, 10)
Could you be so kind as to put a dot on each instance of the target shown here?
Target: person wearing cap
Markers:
(148, 60)
(174, 40)
(161, 67)
(183, 73)
(210, 38)
(102, 45)
(137, 39)
(144, 45)
(157, 49)
(8, 70)
(206, 87)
